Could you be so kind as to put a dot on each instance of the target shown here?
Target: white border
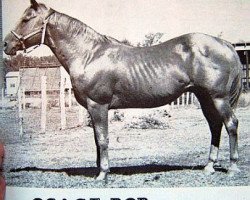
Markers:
(202, 193)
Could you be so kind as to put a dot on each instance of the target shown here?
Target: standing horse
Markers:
(107, 74)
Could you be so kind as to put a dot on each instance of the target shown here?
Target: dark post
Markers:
(247, 69)
(1, 53)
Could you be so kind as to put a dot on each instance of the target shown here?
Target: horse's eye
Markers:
(28, 16)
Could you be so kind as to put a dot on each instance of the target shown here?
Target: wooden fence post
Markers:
(44, 103)
(23, 98)
(70, 97)
(178, 102)
(20, 112)
(168, 108)
(62, 103)
(2, 99)
(80, 115)
(188, 97)
(183, 99)
(192, 98)
(172, 105)
(247, 69)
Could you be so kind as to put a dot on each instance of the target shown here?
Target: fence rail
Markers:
(184, 100)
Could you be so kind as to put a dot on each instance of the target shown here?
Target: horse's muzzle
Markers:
(10, 48)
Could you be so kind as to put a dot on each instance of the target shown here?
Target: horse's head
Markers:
(30, 30)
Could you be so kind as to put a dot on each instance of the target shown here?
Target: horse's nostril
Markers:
(5, 44)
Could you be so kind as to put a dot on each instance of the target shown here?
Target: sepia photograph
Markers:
(125, 94)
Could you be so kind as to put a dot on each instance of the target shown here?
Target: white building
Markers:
(30, 79)
(12, 83)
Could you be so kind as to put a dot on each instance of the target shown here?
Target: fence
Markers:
(184, 100)
(81, 114)
(243, 51)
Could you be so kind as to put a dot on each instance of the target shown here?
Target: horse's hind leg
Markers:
(231, 123)
(215, 128)
(218, 112)
(215, 124)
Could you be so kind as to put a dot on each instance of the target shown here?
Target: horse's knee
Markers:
(103, 143)
(232, 126)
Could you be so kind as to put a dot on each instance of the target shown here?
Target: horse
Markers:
(108, 74)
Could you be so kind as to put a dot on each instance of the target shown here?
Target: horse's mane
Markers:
(74, 27)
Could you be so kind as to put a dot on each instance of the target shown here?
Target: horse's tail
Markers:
(236, 86)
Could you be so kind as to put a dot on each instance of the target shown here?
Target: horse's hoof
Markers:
(217, 165)
(209, 169)
(233, 169)
(102, 176)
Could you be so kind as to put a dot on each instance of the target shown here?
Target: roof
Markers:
(242, 46)
(12, 74)
(31, 78)
(42, 65)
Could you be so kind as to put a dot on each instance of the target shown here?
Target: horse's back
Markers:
(156, 75)
(191, 60)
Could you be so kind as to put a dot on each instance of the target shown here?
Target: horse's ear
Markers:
(34, 4)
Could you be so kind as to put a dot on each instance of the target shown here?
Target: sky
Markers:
(133, 19)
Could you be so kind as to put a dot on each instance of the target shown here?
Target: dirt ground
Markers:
(170, 156)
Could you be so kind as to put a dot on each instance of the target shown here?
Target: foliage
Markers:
(154, 120)
(118, 116)
(146, 122)
(21, 61)
(150, 39)
(127, 42)
(244, 100)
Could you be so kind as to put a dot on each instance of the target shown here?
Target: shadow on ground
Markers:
(93, 171)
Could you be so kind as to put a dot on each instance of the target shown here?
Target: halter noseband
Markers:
(42, 30)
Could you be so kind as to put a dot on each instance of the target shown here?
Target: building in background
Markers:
(31, 79)
(243, 50)
(12, 84)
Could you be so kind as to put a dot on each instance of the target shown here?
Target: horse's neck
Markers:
(70, 39)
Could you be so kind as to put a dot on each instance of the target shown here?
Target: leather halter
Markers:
(42, 30)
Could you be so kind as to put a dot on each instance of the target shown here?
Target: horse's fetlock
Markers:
(234, 158)
(103, 144)
(232, 125)
(232, 132)
(235, 121)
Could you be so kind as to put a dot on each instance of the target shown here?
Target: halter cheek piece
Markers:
(42, 30)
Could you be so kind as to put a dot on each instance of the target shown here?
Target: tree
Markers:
(220, 35)
(126, 41)
(150, 39)
(21, 61)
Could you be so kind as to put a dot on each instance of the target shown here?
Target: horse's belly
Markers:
(146, 95)
(118, 102)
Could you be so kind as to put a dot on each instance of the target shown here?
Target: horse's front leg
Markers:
(99, 116)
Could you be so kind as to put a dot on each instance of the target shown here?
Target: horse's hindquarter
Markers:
(215, 64)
